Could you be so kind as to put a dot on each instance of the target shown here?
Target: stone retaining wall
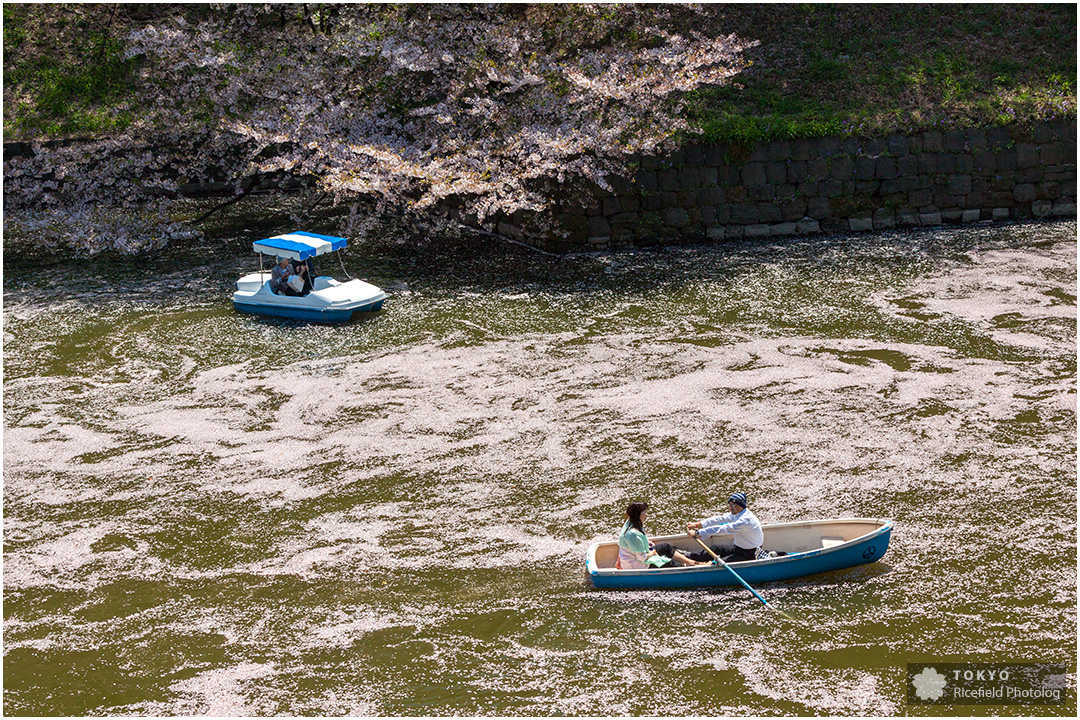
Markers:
(714, 192)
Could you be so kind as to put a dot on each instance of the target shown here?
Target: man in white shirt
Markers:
(738, 522)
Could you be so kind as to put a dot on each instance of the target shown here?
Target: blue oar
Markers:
(717, 560)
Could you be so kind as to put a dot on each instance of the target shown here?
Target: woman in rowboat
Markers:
(635, 550)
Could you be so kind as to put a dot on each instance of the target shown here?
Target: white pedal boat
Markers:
(329, 300)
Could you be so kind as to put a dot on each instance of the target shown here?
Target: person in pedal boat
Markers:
(279, 277)
(635, 550)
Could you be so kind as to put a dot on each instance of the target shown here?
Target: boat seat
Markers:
(321, 282)
(828, 542)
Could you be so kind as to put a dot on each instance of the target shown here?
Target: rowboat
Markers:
(328, 301)
(811, 547)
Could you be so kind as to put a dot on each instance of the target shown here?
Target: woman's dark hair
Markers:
(634, 513)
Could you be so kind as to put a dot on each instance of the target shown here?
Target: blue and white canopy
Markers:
(298, 245)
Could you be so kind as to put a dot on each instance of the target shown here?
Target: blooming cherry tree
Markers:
(493, 110)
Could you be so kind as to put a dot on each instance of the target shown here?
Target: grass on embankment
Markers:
(867, 69)
(873, 69)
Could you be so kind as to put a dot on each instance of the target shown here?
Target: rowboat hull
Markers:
(813, 547)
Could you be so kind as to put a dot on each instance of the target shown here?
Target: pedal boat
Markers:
(329, 301)
(812, 547)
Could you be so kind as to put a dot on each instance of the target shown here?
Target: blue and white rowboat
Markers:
(813, 547)
(329, 300)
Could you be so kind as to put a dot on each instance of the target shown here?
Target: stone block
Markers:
(776, 172)
(647, 181)
(976, 139)
(797, 171)
(997, 138)
(907, 166)
(716, 233)
(842, 168)
(932, 141)
(757, 154)
(715, 155)
(1030, 175)
(943, 199)
(779, 150)
(928, 163)
(668, 180)
(803, 149)
(884, 219)
(669, 199)
(1063, 207)
(1027, 155)
(946, 163)
(867, 187)
(1048, 191)
(794, 209)
(828, 147)
(753, 173)
(710, 196)
(769, 212)
(733, 232)
(1042, 208)
(965, 163)
(758, 230)
(807, 226)
(909, 184)
(970, 216)
(817, 169)
(676, 217)
(886, 168)
(873, 147)
(744, 214)
(784, 228)
(624, 221)
(761, 193)
(907, 216)
(955, 141)
(1024, 193)
(689, 178)
(708, 176)
(897, 145)
(818, 208)
(610, 205)
(952, 216)
(1006, 159)
(862, 224)
(651, 203)
(865, 168)
(598, 226)
(1001, 213)
(1042, 133)
(1053, 154)
(929, 219)
(959, 184)
(985, 161)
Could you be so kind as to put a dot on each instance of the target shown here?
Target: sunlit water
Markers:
(212, 513)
